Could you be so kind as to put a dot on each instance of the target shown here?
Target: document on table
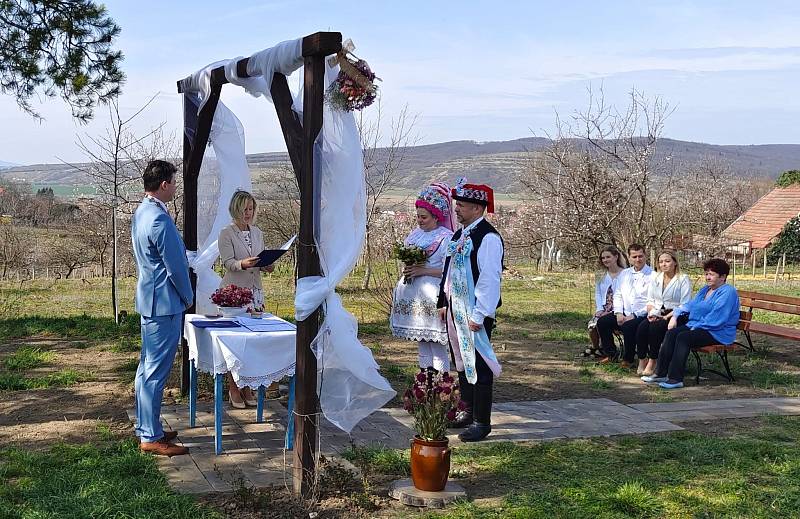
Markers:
(214, 323)
(266, 324)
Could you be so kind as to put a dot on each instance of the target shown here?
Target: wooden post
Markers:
(783, 267)
(197, 128)
(753, 253)
(764, 251)
(734, 268)
(315, 48)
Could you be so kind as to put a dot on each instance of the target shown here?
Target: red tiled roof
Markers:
(764, 221)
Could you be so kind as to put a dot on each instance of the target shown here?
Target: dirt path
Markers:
(532, 370)
(537, 370)
(37, 418)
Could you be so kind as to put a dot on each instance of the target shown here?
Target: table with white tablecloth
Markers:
(257, 352)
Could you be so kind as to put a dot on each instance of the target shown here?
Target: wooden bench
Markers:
(745, 318)
(773, 303)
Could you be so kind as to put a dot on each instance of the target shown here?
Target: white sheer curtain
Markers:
(349, 384)
(224, 171)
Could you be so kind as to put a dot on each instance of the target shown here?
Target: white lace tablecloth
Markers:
(253, 358)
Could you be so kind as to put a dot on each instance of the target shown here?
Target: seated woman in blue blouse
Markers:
(713, 316)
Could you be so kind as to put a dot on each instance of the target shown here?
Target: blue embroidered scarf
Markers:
(462, 299)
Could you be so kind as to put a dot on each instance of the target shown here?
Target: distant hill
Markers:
(6, 165)
(497, 163)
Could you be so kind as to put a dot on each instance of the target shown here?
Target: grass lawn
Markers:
(751, 471)
(60, 335)
(76, 481)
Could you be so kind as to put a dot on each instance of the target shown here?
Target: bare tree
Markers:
(116, 159)
(381, 169)
(593, 186)
(97, 235)
(12, 249)
(281, 216)
(68, 252)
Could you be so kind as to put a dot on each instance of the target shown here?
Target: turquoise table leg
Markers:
(192, 393)
(289, 442)
(218, 413)
(260, 404)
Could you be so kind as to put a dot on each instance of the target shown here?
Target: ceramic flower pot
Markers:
(430, 464)
(232, 311)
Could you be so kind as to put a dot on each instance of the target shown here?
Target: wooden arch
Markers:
(299, 137)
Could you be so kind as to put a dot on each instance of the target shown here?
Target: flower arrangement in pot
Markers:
(232, 300)
(433, 401)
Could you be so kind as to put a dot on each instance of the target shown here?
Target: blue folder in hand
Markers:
(203, 323)
(270, 256)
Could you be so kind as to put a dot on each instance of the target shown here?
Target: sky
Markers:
(469, 70)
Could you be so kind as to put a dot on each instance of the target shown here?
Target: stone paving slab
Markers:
(720, 409)
(253, 453)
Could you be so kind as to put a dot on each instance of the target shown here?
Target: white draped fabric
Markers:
(222, 173)
(349, 385)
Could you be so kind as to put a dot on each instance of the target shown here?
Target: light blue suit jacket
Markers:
(163, 287)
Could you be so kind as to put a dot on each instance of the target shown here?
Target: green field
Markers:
(66, 190)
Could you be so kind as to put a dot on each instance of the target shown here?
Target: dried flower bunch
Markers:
(348, 94)
(232, 296)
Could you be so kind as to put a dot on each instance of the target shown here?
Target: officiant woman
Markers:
(239, 245)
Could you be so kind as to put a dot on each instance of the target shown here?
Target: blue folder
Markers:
(203, 323)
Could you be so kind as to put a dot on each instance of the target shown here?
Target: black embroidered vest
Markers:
(478, 232)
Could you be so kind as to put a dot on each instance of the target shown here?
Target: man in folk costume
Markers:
(470, 294)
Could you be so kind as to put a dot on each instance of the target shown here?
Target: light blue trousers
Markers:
(160, 336)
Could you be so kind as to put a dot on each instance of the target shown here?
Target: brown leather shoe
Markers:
(625, 364)
(163, 448)
(168, 435)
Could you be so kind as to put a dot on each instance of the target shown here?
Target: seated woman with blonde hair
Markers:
(669, 289)
(239, 245)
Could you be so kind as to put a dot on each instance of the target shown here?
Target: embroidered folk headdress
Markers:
(476, 193)
(436, 199)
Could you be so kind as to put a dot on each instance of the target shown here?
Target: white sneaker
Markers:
(653, 379)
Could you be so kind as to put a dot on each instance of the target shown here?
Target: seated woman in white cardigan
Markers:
(669, 290)
(612, 262)
(239, 245)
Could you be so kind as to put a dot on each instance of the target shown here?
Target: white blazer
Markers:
(676, 293)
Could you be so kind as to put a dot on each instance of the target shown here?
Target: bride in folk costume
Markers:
(414, 315)
(470, 294)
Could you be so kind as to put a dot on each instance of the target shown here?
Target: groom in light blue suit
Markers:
(163, 293)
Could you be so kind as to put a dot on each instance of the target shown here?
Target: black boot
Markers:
(482, 410)
(464, 418)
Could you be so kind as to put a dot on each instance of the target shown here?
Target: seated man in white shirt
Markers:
(630, 307)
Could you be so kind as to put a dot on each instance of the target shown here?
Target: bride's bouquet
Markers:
(410, 255)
